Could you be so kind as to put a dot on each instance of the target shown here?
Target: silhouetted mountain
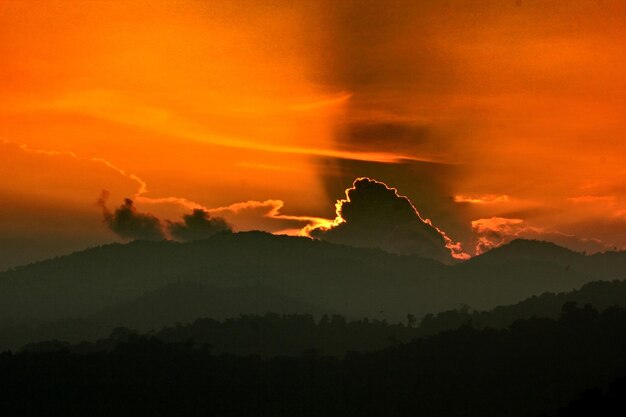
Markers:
(524, 249)
(183, 302)
(352, 281)
(292, 334)
(179, 302)
(609, 265)
(333, 277)
(214, 316)
(599, 294)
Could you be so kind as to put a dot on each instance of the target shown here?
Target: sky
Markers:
(495, 119)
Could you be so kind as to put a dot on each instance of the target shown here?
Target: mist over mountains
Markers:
(324, 277)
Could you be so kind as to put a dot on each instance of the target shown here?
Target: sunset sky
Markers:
(497, 119)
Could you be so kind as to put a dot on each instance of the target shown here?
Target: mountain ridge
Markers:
(353, 281)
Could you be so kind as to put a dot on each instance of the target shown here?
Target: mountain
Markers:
(600, 294)
(230, 320)
(338, 336)
(332, 277)
(353, 281)
(178, 302)
(183, 302)
(541, 265)
(528, 250)
(609, 265)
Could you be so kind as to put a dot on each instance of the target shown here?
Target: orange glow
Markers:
(483, 199)
(262, 112)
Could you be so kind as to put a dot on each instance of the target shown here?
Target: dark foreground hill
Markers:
(332, 278)
(534, 366)
(597, 402)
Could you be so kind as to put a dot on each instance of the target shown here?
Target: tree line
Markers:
(533, 367)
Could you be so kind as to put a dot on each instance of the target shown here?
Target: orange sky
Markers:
(496, 118)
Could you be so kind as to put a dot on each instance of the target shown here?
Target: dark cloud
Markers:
(197, 225)
(374, 215)
(400, 73)
(128, 223)
(382, 135)
(401, 61)
(357, 50)
(433, 189)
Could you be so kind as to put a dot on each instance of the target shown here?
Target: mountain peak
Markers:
(528, 249)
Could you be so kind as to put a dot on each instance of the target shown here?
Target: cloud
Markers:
(373, 132)
(592, 199)
(374, 215)
(103, 104)
(142, 187)
(266, 215)
(482, 199)
(197, 225)
(128, 223)
(496, 231)
(621, 214)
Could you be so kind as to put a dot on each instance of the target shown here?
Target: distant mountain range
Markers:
(170, 305)
(294, 273)
(607, 264)
(600, 294)
(183, 302)
(183, 312)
